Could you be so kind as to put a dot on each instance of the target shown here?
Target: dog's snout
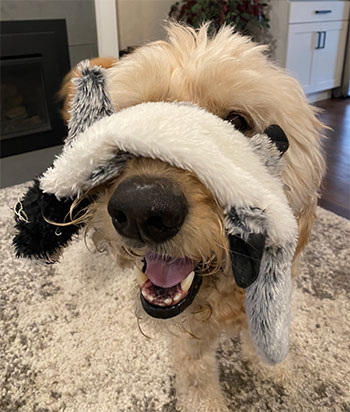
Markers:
(147, 208)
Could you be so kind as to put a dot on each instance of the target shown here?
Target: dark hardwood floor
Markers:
(336, 184)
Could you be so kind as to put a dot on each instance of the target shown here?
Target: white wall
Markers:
(107, 30)
(140, 21)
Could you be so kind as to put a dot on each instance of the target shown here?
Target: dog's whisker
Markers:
(140, 329)
(189, 332)
(208, 271)
(21, 214)
(207, 307)
(244, 255)
(221, 246)
(131, 252)
(86, 230)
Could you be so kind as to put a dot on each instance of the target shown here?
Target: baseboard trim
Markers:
(316, 97)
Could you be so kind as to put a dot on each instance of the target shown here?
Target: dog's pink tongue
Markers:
(168, 272)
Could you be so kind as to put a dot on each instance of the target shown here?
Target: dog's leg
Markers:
(197, 380)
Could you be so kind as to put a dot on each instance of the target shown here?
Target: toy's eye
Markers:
(238, 121)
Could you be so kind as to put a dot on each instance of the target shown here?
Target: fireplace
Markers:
(34, 59)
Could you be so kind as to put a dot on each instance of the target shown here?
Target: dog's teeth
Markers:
(146, 295)
(168, 301)
(141, 277)
(177, 297)
(186, 284)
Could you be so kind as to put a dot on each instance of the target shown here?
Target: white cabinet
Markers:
(300, 53)
(329, 59)
(311, 45)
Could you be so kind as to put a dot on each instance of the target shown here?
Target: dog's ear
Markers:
(245, 257)
(278, 137)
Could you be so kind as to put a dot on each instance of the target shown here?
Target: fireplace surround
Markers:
(33, 61)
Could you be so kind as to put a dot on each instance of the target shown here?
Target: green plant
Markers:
(245, 15)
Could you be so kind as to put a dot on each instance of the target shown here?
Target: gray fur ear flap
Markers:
(264, 270)
(90, 102)
(268, 302)
(35, 236)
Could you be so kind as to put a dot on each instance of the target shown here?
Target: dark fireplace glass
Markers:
(23, 101)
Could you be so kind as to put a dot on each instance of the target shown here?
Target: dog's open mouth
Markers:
(168, 285)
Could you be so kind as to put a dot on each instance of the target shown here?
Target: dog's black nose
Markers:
(148, 209)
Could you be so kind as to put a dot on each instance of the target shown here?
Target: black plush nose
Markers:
(148, 209)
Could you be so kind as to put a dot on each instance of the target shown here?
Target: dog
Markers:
(164, 221)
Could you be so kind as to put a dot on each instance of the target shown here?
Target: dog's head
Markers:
(185, 192)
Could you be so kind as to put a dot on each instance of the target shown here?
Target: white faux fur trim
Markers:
(185, 136)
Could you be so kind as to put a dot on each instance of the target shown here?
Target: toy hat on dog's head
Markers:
(243, 174)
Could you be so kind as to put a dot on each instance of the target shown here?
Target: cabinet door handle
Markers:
(321, 40)
(318, 40)
(323, 11)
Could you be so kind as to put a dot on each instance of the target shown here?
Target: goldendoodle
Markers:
(166, 218)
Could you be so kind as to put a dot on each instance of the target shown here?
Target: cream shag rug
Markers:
(69, 339)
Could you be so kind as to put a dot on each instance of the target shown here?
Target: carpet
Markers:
(69, 339)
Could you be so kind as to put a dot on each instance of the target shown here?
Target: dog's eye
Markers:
(238, 121)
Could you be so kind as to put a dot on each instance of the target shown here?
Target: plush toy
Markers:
(244, 176)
